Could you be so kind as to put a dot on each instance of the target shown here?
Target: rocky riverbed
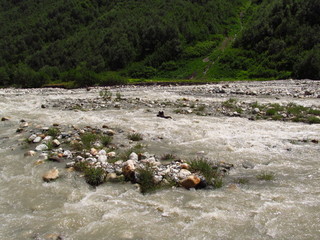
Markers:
(261, 139)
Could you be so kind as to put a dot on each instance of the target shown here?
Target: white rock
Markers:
(41, 147)
(32, 137)
(102, 152)
(157, 178)
(119, 162)
(37, 140)
(68, 154)
(51, 175)
(102, 158)
(184, 173)
(56, 142)
(111, 154)
(30, 153)
(47, 138)
(256, 110)
(133, 156)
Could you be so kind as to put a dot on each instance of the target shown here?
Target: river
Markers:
(285, 208)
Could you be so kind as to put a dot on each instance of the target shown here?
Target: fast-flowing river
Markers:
(287, 207)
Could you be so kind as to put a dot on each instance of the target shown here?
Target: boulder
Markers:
(190, 182)
(51, 175)
(93, 151)
(29, 153)
(41, 147)
(111, 154)
(37, 139)
(133, 156)
(184, 166)
(56, 143)
(128, 170)
(184, 173)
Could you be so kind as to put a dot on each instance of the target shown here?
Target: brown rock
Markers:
(184, 166)
(51, 175)
(190, 182)
(4, 119)
(128, 170)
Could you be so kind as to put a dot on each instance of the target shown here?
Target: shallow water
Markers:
(285, 208)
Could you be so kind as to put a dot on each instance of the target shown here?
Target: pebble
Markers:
(51, 175)
(37, 140)
(41, 147)
(30, 153)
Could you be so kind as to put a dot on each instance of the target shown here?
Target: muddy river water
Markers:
(288, 207)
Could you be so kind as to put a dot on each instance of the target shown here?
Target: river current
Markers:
(287, 207)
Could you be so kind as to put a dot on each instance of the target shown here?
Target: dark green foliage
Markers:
(88, 139)
(135, 136)
(94, 176)
(266, 176)
(53, 132)
(49, 40)
(105, 140)
(146, 180)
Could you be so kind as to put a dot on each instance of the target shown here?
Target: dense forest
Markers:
(87, 42)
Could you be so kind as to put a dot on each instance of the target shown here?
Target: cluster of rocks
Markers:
(116, 166)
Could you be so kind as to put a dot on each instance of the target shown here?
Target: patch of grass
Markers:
(218, 182)
(80, 166)
(266, 176)
(271, 112)
(230, 103)
(77, 146)
(106, 95)
(118, 96)
(106, 140)
(88, 139)
(53, 132)
(135, 137)
(313, 120)
(94, 176)
(242, 181)
(146, 180)
(314, 111)
(201, 108)
(295, 109)
(50, 145)
(205, 168)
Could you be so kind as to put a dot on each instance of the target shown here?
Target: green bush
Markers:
(266, 176)
(146, 181)
(111, 79)
(88, 139)
(135, 136)
(205, 168)
(94, 176)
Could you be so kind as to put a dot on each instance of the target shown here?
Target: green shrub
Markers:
(205, 168)
(106, 140)
(53, 132)
(88, 139)
(135, 137)
(266, 176)
(146, 180)
(80, 166)
(106, 95)
(94, 176)
(111, 78)
(313, 120)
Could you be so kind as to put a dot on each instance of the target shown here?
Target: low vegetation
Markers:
(266, 176)
(205, 168)
(135, 137)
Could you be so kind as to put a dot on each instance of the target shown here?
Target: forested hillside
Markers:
(105, 41)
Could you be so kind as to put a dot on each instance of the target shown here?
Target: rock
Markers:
(109, 132)
(70, 164)
(112, 177)
(93, 151)
(24, 125)
(184, 173)
(133, 156)
(247, 165)
(19, 130)
(56, 143)
(41, 147)
(111, 154)
(184, 166)
(190, 182)
(102, 158)
(67, 153)
(37, 139)
(47, 138)
(30, 153)
(5, 119)
(51, 175)
(32, 137)
(102, 152)
(128, 170)
(256, 110)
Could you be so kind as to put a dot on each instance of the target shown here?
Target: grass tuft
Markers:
(135, 137)
(266, 176)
